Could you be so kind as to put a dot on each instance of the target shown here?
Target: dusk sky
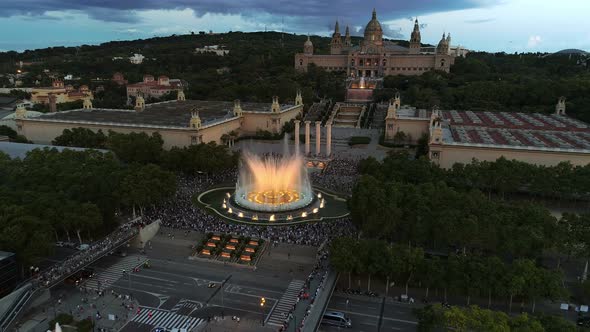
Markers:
(488, 25)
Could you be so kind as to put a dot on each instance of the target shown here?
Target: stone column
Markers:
(296, 133)
(328, 139)
(318, 134)
(307, 137)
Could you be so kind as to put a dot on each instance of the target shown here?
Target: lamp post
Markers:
(262, 302)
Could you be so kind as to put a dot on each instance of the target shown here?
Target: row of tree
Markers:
(502, 177)
(466, 275)
(145, 149)
(436, 216)
(506, 82)
(473, 318)
(50, 195)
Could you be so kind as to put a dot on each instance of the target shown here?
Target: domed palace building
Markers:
(375, 57)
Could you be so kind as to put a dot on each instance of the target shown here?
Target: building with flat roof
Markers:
(180, 122)
(461, 136)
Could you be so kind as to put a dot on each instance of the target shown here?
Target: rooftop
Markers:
(518, 130)
(509, 129)
(171, 114)
(20, 150)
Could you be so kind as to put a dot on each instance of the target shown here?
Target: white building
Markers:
(218, 50)
(136, 59)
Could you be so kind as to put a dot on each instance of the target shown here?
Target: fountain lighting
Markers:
(230, 210)
(322, 203)
(273, 183)
(241, 215)
(315, 210)
(224, 206)
(272, 218)
(303, 214)
(289, 217)
(255, 217)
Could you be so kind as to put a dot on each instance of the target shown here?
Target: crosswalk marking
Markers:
(109, 276)
(184, 303)
(285, 303)
(166, 319)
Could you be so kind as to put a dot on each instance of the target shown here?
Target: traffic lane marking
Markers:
(377, 317)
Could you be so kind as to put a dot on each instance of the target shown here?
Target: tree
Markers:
(343, 257)
(81, 137)
(136, 147)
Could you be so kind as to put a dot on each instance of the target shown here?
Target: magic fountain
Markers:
(273, 184)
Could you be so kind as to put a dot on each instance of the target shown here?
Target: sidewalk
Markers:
(304, 306)
(114, 310)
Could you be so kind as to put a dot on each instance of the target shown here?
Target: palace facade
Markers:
(180, 122)
(375, 57)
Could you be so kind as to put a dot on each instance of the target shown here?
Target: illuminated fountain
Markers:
(273, 184)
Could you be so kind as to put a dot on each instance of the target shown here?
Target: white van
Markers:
(336, 318)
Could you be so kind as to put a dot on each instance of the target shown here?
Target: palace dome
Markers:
(373, 30)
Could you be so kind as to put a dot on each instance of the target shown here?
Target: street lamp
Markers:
(262, 302)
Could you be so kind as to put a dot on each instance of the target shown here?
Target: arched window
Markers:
(384, 62)
(301, 62)
(361, 62)
(352, 62)
(442, 62)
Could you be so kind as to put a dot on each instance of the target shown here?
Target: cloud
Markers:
(482, 20)
(311, 12)
(534, 41)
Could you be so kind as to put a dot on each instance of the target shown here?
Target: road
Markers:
(175, 292)
(368, 313)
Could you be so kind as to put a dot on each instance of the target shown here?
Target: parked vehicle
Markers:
(336, 318)
(83, 247)
(584, 321)
(59, 244)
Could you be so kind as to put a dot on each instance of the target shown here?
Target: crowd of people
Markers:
(82, 258)
(340, 175)
(319, 270)
(181, 212)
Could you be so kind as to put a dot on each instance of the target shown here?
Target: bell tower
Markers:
(347, 39)
(415, 38)
(336, 43)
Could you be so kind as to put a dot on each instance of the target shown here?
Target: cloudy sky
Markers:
(489, 25)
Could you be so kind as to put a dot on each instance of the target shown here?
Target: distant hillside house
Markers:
(152, 88)
(119, 78)
(136, 59)
(375, 57)
(216, 49)
(63, 94)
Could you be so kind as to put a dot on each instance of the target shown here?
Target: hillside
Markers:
(261, 65)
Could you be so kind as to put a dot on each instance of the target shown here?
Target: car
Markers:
(120, 253)
(336, 318)
(211, 285)
(87, 273)
(69, 244)
(83, 247)
(59, 244)
(584, 321)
